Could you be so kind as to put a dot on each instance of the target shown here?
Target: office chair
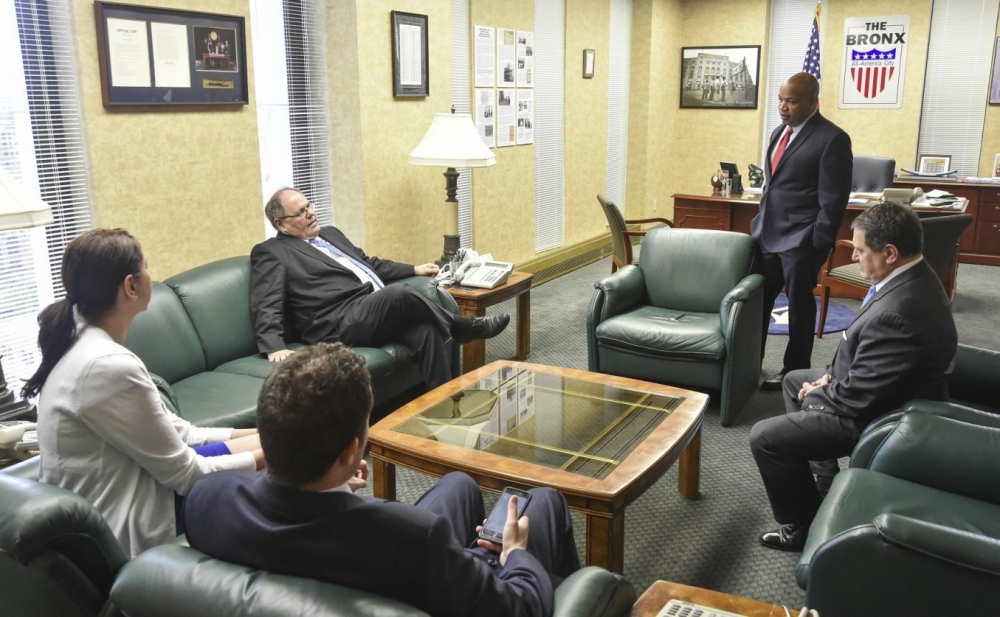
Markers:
(872, 173)
(621, 237)
(941, 236)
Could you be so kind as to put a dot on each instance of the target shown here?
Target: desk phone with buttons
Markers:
(488, 275)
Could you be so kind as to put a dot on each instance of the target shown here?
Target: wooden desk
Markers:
(661, 592)
(473, 301)
(735, 213)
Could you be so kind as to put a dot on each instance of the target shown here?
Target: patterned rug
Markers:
(838, 317)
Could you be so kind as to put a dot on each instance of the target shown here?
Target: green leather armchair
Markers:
(178, 581)
(689, 315)
(915, 530)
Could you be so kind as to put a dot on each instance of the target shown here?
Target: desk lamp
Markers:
(18, 209)
(452, 141)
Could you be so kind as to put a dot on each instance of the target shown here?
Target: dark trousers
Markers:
(797, 271)
(401, 314)
(457, 498)
(787, 448)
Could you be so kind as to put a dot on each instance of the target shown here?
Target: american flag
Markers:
(811, 63)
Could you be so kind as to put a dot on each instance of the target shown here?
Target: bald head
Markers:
(798, 98)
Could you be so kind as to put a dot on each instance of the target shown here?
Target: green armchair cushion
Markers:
(218, 399)
(973, 379)
(164, 338)
(665, 333)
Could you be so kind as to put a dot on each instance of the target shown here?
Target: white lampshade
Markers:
(452, 141)
(18, 207)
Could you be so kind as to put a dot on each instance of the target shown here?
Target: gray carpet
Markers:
(711, 542)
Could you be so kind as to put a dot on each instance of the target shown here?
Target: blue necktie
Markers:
(323, 244)
(871, 292)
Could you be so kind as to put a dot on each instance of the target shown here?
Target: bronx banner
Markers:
(874, 62)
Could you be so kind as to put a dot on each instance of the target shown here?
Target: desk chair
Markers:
(621, 237)
(941, 236)
(872, 173)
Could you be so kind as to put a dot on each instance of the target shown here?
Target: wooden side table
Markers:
(656, 597)
(472, 302)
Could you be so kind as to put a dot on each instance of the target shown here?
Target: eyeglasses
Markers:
(298, 214)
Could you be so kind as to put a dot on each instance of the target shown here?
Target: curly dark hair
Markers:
(311, 406)
(891, 223)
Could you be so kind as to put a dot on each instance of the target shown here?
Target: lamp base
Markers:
(451, 246)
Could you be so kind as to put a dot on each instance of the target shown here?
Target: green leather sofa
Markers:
(689, 315)
(913, 527)
(198, 340)
(58, 557)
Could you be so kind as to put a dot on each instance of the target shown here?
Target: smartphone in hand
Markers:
(493, 529)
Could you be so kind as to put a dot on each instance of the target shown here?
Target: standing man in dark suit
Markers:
(302, 519)
(899, 347)
(332, 292)
(807, 185)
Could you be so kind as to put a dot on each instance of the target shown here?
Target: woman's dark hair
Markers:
(93, 267)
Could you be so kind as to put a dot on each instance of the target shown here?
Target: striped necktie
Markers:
(320, 243)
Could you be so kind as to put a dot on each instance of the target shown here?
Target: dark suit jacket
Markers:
(384, 547)
(898, 348)
(804, 200)
(293, 282)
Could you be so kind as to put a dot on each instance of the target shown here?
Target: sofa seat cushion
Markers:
(665, 333)
(381, 362)
(219, 399)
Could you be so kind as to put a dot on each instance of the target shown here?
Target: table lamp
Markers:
(452, 141)
(18, 209)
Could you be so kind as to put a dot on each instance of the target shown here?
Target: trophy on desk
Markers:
(756, 175)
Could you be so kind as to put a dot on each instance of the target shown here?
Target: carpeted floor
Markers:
(711, 542)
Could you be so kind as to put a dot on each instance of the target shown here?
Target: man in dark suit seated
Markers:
(899, 347)
(335, 292)
(807, 185)
(302, 518)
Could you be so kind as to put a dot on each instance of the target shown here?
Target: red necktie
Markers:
(780, 150)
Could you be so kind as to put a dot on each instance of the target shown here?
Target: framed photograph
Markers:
(410, 76)
(996, 166)
(933, 163)
(589, 56)
(157, 56)
(995, 85)
(720, 77)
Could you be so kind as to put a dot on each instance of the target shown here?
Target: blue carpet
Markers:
(838, 317)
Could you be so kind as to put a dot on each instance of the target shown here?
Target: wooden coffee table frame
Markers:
(603, 502)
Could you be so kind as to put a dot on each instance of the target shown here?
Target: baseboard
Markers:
(563, 260)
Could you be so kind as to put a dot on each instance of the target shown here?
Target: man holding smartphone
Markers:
(302, 518)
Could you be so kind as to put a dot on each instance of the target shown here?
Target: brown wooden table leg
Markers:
(383, 479)
(524, 325)
(606, 542)
(689, 468)
(473, 352)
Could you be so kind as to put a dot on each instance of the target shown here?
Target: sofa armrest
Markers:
(745, 292)
(593, 592)
(429, 287)
(166, 393)
(974, 376)
(957, 547)
(942, 453)
(27, 469)
(619, 293)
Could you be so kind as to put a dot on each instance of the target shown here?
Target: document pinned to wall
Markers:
(506, 118)
(485, 60)
(525, 117)
(128, 53)
(171, 67)
(485, 120)
(525, 59)
(506, 57)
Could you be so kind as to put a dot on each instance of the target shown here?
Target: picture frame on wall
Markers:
(996, 166)
(410, 74)
(721, 77)
(589, 58)
(995, 83)
(157, 56)
(930, 164)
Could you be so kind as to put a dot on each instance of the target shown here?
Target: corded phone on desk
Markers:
(475, 271)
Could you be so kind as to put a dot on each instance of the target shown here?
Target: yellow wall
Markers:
(184, 180)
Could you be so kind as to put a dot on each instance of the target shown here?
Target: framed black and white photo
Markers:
(720, 77)
(410, 75)
(995, 85)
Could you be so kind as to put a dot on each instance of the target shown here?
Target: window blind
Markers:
(953, 109)
(791, 26)
(461, 99)
(618, 99)
(550, 37)
(41, 146)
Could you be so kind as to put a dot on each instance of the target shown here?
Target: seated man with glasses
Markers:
(334, 292)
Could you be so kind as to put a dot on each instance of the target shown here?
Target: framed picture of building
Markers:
(720, 77)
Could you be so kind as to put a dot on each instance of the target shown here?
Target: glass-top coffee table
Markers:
(599, 439)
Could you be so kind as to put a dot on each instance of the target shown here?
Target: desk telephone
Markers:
(477, 271)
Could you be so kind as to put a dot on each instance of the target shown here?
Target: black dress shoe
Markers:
(791, 538)
(485, 327)
(773, 383)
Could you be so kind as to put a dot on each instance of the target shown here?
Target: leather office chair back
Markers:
(616, 224)
(872, 173)
(57, 554)
(694, 269)
(941, 235)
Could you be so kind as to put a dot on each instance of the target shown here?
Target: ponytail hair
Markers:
(94, 266)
